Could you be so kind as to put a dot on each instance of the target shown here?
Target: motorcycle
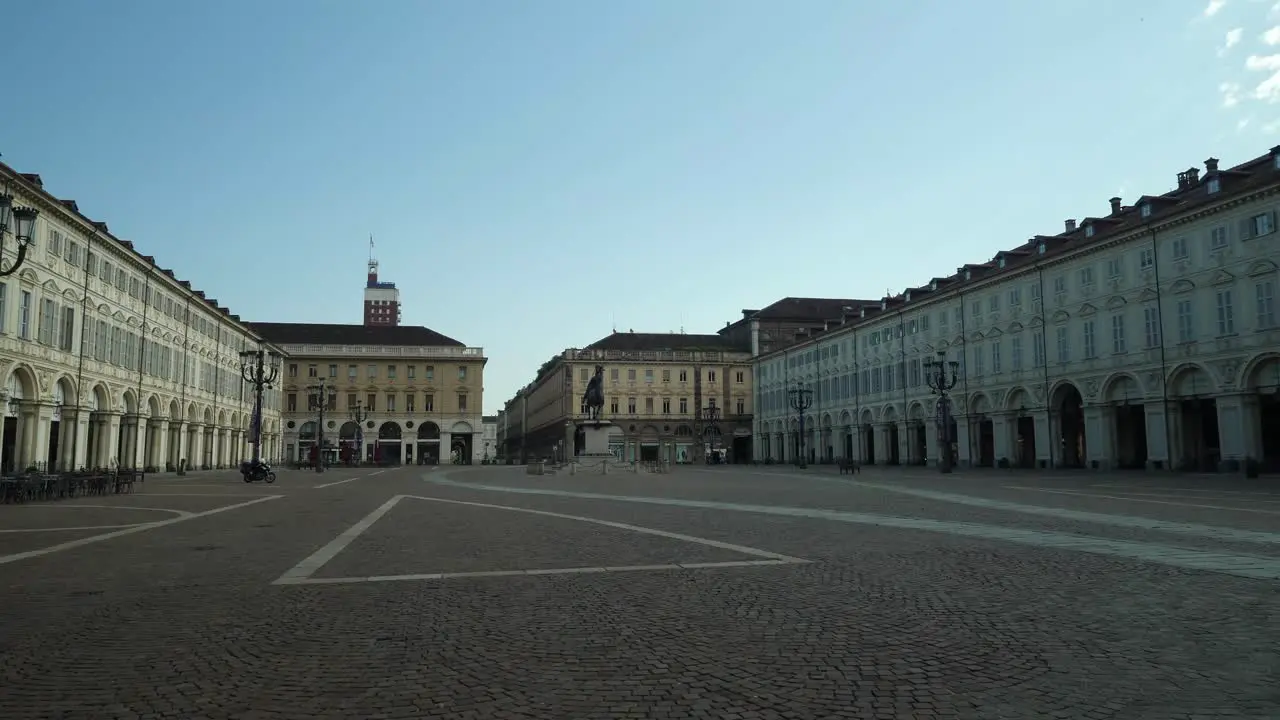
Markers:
(259, 472)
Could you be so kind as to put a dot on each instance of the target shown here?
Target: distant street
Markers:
(712, 592)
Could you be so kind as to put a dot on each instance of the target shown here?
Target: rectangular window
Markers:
(1225, 313)
(1064, 346)
(1090, 340)
(740, 377)
(1151, 326)
(4, 304)
(462, 402)
(1218, 238)
(24, 316)
(613, 374)
(1086, 278)
(1015, 297)
(48, 321)
(68, 329)
(293, 370)
(333, 371)
(430, 373)
(684, 376)
(1060, 285)
(312, 371)
(371, 372)
(291, 402)
(351, 401)
(995, 362)
(1118, 343)
(1037, 350)
(462, 372)
(391, 402)
(1115, 268)
(1015, 352)
(410, 402)
(979, 366)
(411, 371)
(428, 403)
(371, 402)
(1265, 297)
(742, 406)
(666, 375)
(631, 374)
(1186, 322)
(1146, 258)
(684, 406)
(613, 404)
(631, 404)
(666, 406)
(648, 406)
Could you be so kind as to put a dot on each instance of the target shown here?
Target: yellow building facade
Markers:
(673, 397)
(390, 394)
(109, 360)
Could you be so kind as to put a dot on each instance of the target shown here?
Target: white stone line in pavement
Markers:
(1249, 566)
(326, 553)
(301, 573)
(1212, 532)
(63, 529)
(76, 506)
(5, 559)
(1130, 498)
(351, 479)
(536, 572)
(1275, 496)
(624, 526)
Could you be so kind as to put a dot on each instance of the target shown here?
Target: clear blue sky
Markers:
(683, 159)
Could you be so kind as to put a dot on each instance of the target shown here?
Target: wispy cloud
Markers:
(1233, 38)
(1272, 36)
(1271, 128)
(1214, 7)
(1230, 94)
(1269, 89)
(1243, 123)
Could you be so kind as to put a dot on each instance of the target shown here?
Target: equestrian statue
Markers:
(593, 398)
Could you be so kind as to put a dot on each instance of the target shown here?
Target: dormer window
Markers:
(1088, 230)
(1276, 161)
(933, 285)
(884, 304)
(1001, 262)
(907, 296)
(862, 312)
(1146, 210)
(1041, 248)
(1215, 185)
(968, 275)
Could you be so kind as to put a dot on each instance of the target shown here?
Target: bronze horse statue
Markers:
(593, 398)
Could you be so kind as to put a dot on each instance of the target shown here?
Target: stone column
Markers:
(964, 454)
(1239, 428)
(112, 436)
(80, 454)
(1158, 450)
(1099, 426)
(1048, 440)
(1003, 445)
(160, 450)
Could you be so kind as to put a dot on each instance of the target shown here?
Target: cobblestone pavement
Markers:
(705, 593)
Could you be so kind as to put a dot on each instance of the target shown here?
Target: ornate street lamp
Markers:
(801, 397)
(935, 373)
(23, 220)
(260, 369)
(316, 401)
(358, 415)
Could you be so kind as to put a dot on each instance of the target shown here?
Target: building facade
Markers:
(109, 360)
(392, 394)
(489, 437)
(670, 397)
(381, 299)
(1146, 337)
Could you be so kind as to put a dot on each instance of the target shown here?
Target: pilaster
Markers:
(1099, 432)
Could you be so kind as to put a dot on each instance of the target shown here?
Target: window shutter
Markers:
(1246, 229)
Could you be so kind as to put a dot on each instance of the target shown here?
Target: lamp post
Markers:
(801, 397)
(317, 402)
(358, 415)
(940, 384)
(709, 413)
(260, 369)
(23, 220)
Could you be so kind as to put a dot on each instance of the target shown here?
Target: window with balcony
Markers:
(462, 402)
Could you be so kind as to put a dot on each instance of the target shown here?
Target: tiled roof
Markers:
(1191, 194)
(659, 341)
(327, 334)
(819, 309)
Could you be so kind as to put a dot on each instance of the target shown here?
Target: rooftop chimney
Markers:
(1193, 176)
(1115, 206)
(1210, 166)
(1071, 225)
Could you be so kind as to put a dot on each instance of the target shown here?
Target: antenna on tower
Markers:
(681, 323)
(370, 247)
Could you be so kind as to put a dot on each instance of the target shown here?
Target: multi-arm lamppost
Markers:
(358, 415)
(317, 402)
(712, 431)
(939, 382)
(801, 397)
(260, 369)
(23, 220)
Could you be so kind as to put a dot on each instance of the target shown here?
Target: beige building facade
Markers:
(391, 394)
(671, 397)
(1147, 337)
(109, 360)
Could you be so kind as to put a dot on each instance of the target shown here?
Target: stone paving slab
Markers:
(889, 622)
(469, 539)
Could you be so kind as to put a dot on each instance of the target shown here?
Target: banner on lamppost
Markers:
(942, 409)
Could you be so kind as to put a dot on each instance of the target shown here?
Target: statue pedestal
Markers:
(595, 438)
